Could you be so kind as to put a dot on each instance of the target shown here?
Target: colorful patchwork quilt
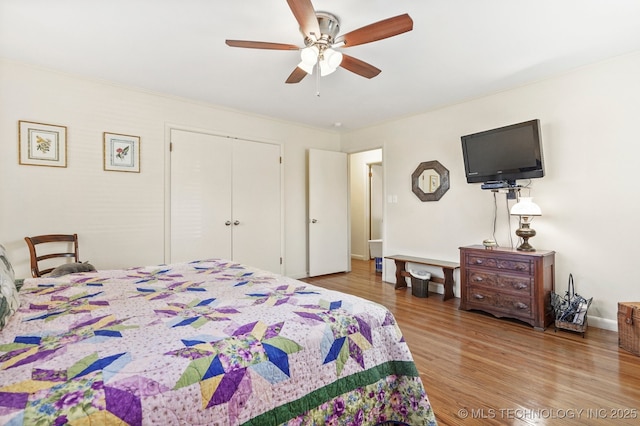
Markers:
(208, 342)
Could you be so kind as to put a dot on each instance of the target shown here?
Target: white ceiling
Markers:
(458, 49)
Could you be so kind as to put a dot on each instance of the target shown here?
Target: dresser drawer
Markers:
(524, 266)
(496, 302)
(518, 284)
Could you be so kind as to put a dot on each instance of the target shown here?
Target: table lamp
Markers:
(526, 209)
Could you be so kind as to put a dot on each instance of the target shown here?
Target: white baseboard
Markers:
(298, 276)
(604, 323)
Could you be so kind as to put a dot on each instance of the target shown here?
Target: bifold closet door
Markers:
(225, 200)
(200, 196)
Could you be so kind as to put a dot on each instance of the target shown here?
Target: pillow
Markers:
(5, 264)
(71, 268)
(9, 301)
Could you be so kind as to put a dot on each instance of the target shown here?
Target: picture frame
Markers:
(41, 144)
(121, 152)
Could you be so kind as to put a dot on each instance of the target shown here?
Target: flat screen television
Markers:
(504, 154)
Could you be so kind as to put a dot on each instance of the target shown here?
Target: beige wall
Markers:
(120, 217)
(588, 197)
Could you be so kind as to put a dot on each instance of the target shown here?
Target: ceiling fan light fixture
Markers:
(306, 67)
(325, 69)
(309, 55)
(331, 60)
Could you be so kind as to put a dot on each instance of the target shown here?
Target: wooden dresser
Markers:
(508, 283)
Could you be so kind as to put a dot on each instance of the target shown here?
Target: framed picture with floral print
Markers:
(121, 153)
(42, 144)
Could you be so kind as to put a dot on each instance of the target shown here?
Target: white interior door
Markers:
(257, 205)
(200, 196)
(328, 224)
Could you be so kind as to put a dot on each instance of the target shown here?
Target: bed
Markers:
(209, 342)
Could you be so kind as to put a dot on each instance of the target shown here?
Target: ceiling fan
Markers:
(320, 30)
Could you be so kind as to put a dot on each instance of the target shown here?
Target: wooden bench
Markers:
(447, 268)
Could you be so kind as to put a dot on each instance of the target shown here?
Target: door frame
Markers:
(365, 197)
(369, 194)
(168, 127)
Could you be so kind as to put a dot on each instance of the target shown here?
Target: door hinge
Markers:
(170, 146)
(280, 160)
(281, 260)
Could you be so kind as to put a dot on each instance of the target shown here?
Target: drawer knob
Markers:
(478, 261)
(478, 296)
(521, 305)
(478, 279)
(520, 286)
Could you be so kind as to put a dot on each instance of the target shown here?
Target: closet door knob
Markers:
(314, 221)
(237, 222)
(228, 223)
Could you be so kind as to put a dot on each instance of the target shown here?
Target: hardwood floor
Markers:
(478, 369)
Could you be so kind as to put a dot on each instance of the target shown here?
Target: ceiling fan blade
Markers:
(377, 31)
(261, 45)
(296, 76)
(306, 16)
(359, 67)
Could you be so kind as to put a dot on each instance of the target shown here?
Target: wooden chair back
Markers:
(43, 248)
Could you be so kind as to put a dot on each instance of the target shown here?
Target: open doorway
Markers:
(375, 201)
(366, 199)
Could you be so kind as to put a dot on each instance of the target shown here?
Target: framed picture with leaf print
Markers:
(42, 144)
(121, 153)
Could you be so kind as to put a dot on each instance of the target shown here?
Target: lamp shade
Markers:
(330, 62)
(309, 58)
(309, 55)
(306, 67)
(526, 207)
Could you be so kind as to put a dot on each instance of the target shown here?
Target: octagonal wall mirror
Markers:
(430, 181)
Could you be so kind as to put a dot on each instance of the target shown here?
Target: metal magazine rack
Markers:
(571, 310)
